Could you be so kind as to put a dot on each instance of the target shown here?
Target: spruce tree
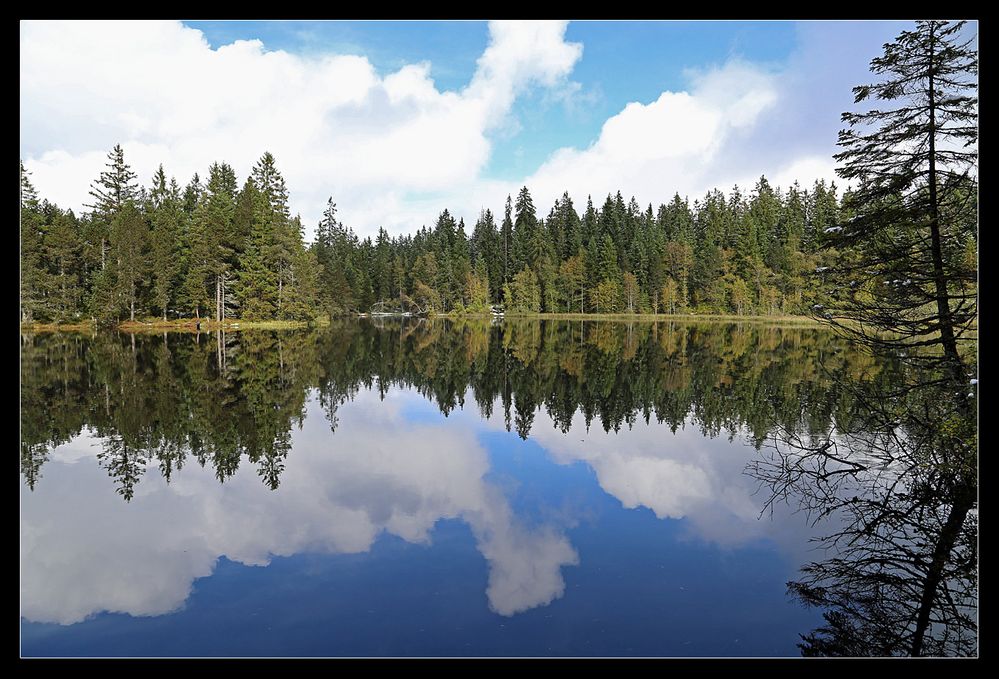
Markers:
(899, 573)
(63, 247)
(506, 241)
(166, 213)
(33, 272)
(129, 242)
(110, 191)
(914, 161)
(115, 186)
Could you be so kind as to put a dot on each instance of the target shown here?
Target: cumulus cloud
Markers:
(83, 551)
(334, 124)
(670, 144)
(682, 475)
(393, 149)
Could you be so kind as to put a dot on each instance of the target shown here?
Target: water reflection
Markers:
(255, 411)
(899, 571)
(162, 399)
(380, 473)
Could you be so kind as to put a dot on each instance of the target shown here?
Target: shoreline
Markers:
(188, 325)
(178, 325)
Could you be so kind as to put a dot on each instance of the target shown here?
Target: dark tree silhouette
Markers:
(899, 485)
(907, 280)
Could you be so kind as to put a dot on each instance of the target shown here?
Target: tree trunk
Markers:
(941, 553)
(943, 303)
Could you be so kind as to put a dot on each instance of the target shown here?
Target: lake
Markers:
(406, 487)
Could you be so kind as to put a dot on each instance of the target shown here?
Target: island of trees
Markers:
(217, 250)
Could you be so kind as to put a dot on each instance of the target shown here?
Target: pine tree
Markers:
(572, 278)
(461, 264)
(525, 227)
(333, 248)
(192, 194)
(304, 287)
(902, 579)
(129, 242)
(199, 265)
(914, 159)
(708, 270)
(656, 254)
(506, 238)
(588, 224)
(447, 286)
(382, 275)
(110, 191)
(114, 187)
(33, 274)
(821, 215)
(266, 264)
(217, 248)
(485, 245)
(166, 214)
(63, 247)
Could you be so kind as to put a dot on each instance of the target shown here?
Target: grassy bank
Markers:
(177, 325)
(190, 325)
(728, 318)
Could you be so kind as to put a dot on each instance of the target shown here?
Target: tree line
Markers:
(211, 250)
(744, 254)
(215, 249)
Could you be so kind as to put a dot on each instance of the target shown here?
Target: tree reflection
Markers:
(891, 470)
(898, 482)
(160, 399)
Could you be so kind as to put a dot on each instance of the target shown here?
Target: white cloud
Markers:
(675, 143)
(84, 551)
(334, 124)
(393, 149)
(681, 475)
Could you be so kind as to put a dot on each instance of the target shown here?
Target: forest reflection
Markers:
(229, 398)
(898, 570)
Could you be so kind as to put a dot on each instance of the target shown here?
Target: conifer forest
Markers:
(218, 249)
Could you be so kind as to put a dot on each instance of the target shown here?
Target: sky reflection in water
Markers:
(406, 532)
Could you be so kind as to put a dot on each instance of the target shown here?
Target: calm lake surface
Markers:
(418, 488)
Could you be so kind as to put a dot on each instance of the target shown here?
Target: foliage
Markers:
(217, 250)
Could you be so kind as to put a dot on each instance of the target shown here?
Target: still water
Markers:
(418, 488)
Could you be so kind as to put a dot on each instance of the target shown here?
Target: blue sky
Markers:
(398, 120)
(622, 62)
